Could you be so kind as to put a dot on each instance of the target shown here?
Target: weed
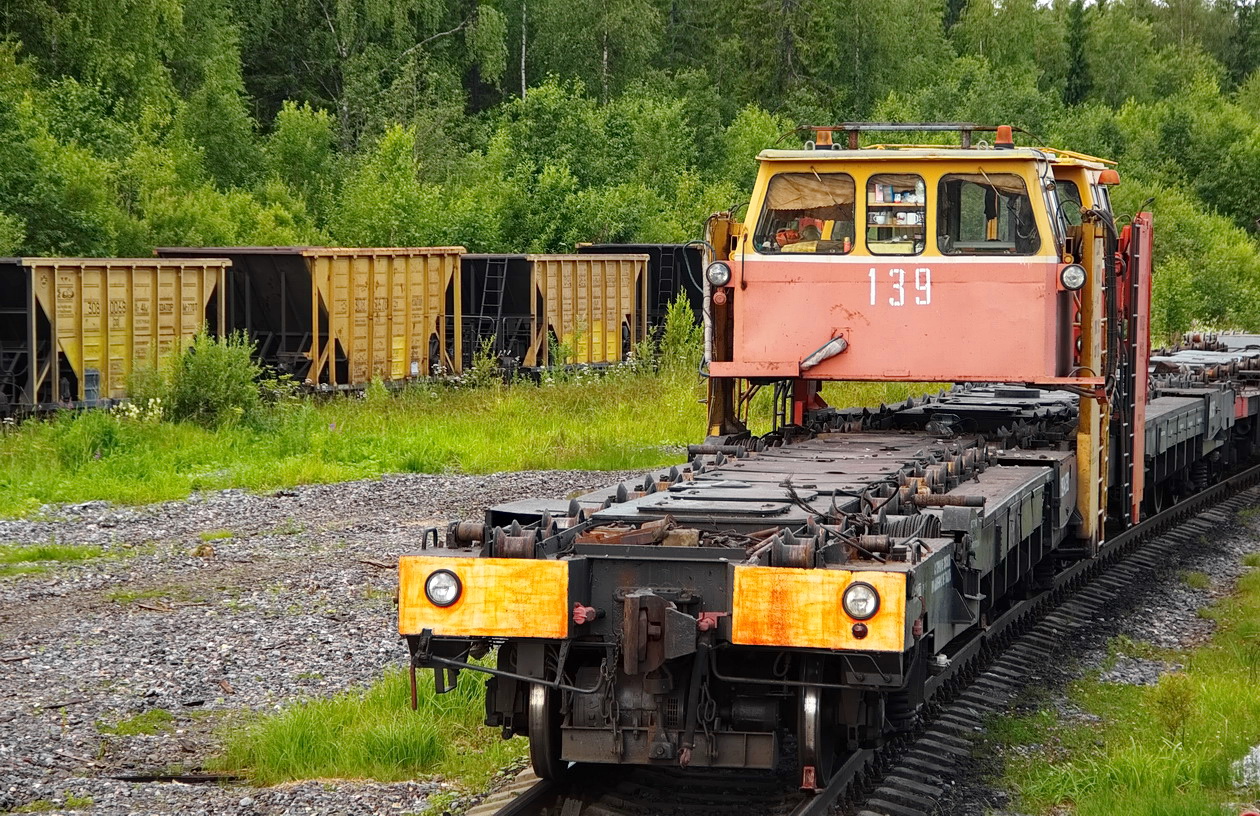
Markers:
(212, 383)
(36, 806)
(214, 535)
(291, 526)
(1248, 514)
(174, 592)
(484, 371)
(1123, 645)
(1251, 559)
(148, 723)
(1196, 580)
(38, 558)
(373, 734)
(1174, 699)
(77, 802)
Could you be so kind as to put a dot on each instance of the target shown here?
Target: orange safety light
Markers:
(1109, 177)
(822, 138)
(1005, 140)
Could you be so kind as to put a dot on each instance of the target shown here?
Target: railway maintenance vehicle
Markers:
(793, 593)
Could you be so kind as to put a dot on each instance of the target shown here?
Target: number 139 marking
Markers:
(922, 286)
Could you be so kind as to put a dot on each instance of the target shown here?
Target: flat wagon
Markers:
(343, 317)
(73, 330)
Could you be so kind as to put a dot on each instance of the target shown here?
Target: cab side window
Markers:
(896, 214)
(985, 214)
(807, 212)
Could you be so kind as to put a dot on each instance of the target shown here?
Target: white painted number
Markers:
(923, 283)
(899, 286)
(922, 286)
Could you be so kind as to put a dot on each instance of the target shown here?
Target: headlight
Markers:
(719, 274)
(442, 588)
(861, 601)
(1072, 277)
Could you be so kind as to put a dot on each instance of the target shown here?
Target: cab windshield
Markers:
(807, 212)
(985, 214)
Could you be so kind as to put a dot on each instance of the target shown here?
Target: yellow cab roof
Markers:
(938, 153)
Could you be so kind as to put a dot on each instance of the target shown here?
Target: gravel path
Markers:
(1162, 613)
(224, 602)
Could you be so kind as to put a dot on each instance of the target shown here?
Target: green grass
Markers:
(1162, 750)
(374, 734)
(622, 421)
(148, 723)
(1196, 580)
(215, 535)
(37, 558)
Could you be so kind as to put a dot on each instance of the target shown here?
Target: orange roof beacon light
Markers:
(1109, 177)
(1004, 139)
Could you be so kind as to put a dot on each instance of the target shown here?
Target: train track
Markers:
(907, 776)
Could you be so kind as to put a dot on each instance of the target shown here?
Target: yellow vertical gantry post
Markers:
(1091, 432)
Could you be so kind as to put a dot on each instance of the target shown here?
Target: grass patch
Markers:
(148, 723)
(624, 420)
(1162, 750)
(215, 535)
(1196, 580)
(68, 802)
(1251, 560)
(374, 734)
(38, 558)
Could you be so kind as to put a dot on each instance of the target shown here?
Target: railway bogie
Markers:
(806, 587)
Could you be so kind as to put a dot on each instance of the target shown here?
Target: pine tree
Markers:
(1078, 79)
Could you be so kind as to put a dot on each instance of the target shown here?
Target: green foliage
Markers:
(37, 558)
(372, 733)
(213, 382)
(532, 125)
(147, 723)
(682, 340)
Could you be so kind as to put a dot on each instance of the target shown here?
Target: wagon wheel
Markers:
(816, 738)
(544, 732)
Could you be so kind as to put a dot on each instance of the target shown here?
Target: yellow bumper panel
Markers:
(501, 597)
(777, 606)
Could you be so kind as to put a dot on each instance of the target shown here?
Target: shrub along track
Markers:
(909, 775)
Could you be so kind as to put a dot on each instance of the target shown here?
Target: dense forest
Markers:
(533, 124)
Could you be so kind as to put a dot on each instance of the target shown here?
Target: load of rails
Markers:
(72, 331)
(796, 591)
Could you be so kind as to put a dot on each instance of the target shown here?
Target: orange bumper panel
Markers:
(802, 608)
(500, 597)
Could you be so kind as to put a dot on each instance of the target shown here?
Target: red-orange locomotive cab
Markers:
(928, 264)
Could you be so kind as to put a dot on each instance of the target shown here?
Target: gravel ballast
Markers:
(221, 603)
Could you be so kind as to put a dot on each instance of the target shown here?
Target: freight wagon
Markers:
(343, 317)
(673, 270)
(73, 330)
(595, 305)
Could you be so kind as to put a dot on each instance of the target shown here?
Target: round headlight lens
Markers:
(719, 274)
(1072, 277)
(861, 601)
(442, 588)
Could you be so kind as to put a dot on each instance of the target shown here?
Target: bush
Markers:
(682, 340)
(212, 382)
